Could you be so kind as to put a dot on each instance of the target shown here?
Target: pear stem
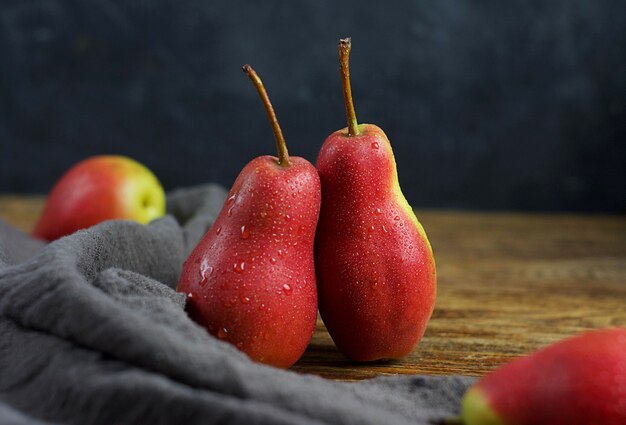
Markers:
(345, 45)
(281, 146)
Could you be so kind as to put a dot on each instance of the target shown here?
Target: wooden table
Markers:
(508, 284)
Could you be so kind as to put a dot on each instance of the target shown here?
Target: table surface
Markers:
(507, 284)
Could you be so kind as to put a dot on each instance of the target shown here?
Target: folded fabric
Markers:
(93, 332)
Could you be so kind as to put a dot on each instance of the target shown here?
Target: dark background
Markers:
(489, 104)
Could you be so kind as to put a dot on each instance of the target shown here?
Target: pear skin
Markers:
(251, 279)
(374, 264)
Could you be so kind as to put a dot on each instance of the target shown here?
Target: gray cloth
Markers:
(92, 332)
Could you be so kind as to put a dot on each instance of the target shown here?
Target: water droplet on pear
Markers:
(239, 267)
(222, 333)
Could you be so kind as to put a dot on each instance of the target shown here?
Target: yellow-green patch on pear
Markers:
(477, 411)
(143, 194)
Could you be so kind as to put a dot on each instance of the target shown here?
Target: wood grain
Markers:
(21, 211)
(507, 284)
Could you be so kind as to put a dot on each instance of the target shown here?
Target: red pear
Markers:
(375, 267)
(101, 188)
(251, 279)
(578, 381)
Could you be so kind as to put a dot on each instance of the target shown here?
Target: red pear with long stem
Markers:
(251, 279)
(375, 266)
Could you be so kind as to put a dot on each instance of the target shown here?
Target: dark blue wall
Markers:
(492, 104)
